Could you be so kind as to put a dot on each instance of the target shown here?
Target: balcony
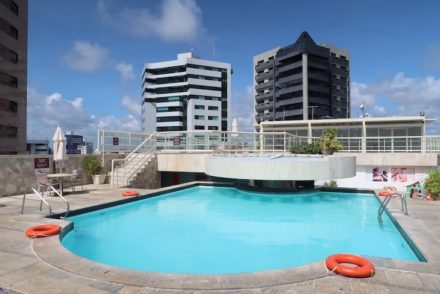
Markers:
(286, 90)
(317, 65)
(264, 116)
(283, 68)
(289, 78)
(268, 95)
(320, 77)
(290, 101)
(264, 75)
(286, 113)
(264, 85)
(264, 65)
(263, 106)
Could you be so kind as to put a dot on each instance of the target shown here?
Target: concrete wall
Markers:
(182, 162)
(17, 172)
(406, 168)
(149, 178)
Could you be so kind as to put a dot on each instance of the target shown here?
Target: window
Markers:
(200, 107)
(213, 128)
(212, 117)
(6, 27)
(7, 105)
(8, 132)
(196, 127)
(212, 107)
(11, 5)
(8, 80)
(8, 54)
(201, 117)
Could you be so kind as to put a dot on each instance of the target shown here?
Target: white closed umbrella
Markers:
(234, 128)
(59, 145)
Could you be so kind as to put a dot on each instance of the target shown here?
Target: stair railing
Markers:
(135, 160)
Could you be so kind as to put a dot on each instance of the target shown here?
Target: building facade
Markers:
(35, 147)
(302, 81)
(13, 76)
(73, 142)
(186, 94)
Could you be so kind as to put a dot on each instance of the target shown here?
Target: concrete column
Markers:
(364, 137)
(305, 78)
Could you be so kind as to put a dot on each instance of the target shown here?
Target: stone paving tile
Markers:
(333, 284)
(402, 279)
(135, 290)
(298, 288)
(13, 277)
(431, 282)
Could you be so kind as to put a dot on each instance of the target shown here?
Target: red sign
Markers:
(115, 140)
(41, 162)
(176, 141)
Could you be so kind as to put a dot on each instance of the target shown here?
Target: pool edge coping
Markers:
(53, 252)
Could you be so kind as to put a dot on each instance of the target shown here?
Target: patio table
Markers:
(61, 177)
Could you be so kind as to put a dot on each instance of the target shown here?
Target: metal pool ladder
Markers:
(387, 200)
(43, 200)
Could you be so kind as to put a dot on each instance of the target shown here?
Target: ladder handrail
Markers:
(64, 199)
(387, 200)
(42, 199)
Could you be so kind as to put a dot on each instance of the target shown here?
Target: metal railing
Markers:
(43, 200)
(266, 141)
(387, 200)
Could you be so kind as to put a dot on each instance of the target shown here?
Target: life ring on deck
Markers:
(385, 193)
(364, 269)
(130, 193)
(43, 231)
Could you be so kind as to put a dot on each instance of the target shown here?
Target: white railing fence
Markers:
(124, 142)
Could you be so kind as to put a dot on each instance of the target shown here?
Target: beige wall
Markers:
(17, 172)
(182, 162)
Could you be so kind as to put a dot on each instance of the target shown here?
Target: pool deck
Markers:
(44, 266)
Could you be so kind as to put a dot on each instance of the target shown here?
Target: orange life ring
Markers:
(130, 193)
(365, 268)
(43, 231)
(384, 193)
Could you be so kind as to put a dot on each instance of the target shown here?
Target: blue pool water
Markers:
(217, 230)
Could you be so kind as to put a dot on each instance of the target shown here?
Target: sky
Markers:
(85, 57)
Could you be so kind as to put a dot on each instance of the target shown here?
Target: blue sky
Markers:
(86, 56)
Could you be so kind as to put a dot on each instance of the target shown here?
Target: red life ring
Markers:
(130, 193)
(43, 231)
(365, 268)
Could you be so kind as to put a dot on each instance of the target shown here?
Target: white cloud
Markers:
(132, 104)
(86, 56)
(46, 112)
(126, 70)
(177, 21)
(408, 96)
(243, 109)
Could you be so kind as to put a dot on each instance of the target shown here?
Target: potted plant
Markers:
(328, 142)
(432, 184)
(92, 166)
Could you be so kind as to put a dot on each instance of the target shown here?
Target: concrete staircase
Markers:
(127, 171)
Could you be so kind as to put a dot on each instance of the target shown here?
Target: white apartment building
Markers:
(186, 94)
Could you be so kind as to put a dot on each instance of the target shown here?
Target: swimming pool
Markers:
(219, 230)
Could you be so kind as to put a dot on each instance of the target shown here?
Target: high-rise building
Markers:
(13, 75)
(73, 142)
(186, 94)
(302, 81)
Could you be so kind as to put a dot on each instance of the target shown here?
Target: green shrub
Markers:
(306, 149)
(328, 142)
(331, 184)
(92, 165)
(432, 184)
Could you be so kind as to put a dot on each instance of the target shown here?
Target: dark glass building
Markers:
(302, 81)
